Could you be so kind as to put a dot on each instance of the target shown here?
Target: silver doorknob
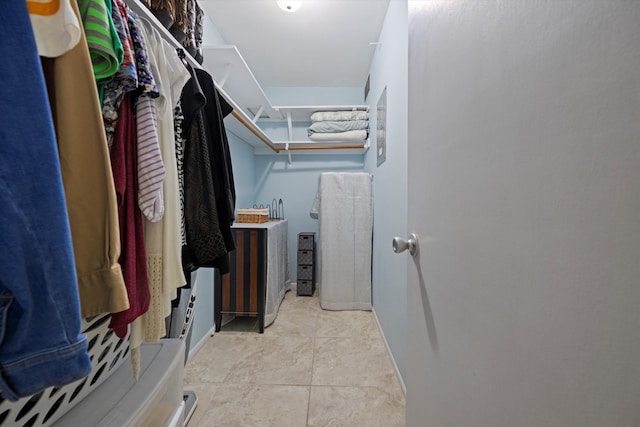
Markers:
(401, 245)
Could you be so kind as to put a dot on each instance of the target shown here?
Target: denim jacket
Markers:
(41, 343)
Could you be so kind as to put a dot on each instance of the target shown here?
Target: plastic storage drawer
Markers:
(305, 288)
(306, 241)
(305, 257)
(305, 272)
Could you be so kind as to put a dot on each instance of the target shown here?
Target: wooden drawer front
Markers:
(241, 287)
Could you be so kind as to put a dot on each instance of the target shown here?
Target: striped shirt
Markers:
(151, 170)
(105, 47)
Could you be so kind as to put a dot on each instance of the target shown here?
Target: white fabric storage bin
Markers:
(344, 209)
(156, 399)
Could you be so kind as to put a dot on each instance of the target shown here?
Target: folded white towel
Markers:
(319, 116)
(350, 135)
(338, 126)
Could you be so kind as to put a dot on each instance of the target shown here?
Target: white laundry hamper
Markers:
(107, 352)
(109, 396)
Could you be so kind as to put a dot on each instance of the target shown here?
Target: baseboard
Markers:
(393, 361)
(200, 343)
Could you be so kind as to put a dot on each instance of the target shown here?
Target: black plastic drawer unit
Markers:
(306, 279)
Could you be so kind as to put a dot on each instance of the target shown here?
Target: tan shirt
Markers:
(87, 179)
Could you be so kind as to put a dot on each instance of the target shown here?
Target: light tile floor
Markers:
(311, 367)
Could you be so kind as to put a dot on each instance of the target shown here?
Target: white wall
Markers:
(211, 36)
(389, 68)
(346, 95)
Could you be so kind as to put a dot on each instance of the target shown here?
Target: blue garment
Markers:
(41, 343)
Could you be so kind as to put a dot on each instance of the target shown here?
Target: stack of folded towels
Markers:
(339, 126)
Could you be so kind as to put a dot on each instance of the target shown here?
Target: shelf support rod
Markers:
(258, 114)
(286, 147)
(289, 126)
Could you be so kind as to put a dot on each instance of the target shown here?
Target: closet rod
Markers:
(246, 124)
(143, 11)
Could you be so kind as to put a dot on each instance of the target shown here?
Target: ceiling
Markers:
(324, 43)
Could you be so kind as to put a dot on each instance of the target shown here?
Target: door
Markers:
(524, 184)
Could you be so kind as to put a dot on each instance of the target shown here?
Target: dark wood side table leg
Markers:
(217, 300)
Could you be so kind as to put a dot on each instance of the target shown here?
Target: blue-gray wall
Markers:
(297, 184)
(243, 163)
(389, 68)
(203, 310)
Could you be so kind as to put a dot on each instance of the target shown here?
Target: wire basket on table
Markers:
(254, 216)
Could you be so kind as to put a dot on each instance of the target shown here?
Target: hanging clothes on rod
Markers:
(209, 185)
(121, 131)
(162, 238)
(184, 21)
(178, 124)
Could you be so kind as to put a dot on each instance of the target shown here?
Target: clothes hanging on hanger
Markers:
(162, 238)
(56, 31)
(122, 132)
(88, 181)
(215, 111)
(40, 321)
(150, 166)
(180, 26)
(133, 258)
(119, 100)
(204, 242)
(105, 47)
(178, 124)
(125, 79)
(209, 237)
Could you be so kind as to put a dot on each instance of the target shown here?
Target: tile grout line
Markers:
(315, 311)
(313, 361)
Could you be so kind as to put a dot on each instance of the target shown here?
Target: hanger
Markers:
(183, 58)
